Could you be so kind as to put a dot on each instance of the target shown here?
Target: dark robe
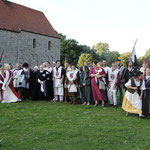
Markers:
(85, 90)
(146, 99)
(37, 94)
(49, 86)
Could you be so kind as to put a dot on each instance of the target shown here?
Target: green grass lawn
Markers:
(53, 126)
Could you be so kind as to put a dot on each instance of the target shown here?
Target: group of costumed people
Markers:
(98, 84)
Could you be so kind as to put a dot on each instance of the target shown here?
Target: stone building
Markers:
(26, 35)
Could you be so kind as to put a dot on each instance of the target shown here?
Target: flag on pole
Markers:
(133, 54)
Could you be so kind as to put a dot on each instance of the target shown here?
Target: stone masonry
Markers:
(18, 48)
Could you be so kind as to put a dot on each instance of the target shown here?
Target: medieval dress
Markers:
(9, 95)
(39, 90)
(49, 84)
(132, 102)
(85, 90)
(146, 97)
(97, 93)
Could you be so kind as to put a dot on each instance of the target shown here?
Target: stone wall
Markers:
(18, 47)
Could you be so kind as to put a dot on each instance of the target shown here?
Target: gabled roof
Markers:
(15, 17)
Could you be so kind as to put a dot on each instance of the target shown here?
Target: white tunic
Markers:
(112, 78)
(59, 90)
(17, 78)
(72, 75)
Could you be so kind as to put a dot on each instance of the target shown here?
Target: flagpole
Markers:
(132, 57)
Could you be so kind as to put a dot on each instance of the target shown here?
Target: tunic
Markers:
(17, 78)
(72, 76)
(58, 74)
(113, 78)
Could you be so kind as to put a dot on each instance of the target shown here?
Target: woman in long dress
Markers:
(85, 83)
(132, 102)
(146, 97)
(97, 93)
(9, 95)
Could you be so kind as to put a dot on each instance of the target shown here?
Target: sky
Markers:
(116, 22)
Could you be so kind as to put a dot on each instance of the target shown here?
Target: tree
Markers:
(112, 57)
(84, 58)
(101, 48)
(70, 49)
(125, 57)
(146, 56)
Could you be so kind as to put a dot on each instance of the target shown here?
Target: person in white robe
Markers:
(132, 102)
(9, 95)
(58, 76)
(113, 80)
(17, 76)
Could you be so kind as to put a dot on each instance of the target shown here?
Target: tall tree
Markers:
(84, 58)
(125, 57)
(101, 48)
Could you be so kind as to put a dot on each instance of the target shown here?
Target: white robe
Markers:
(58, 87)
(8, 94)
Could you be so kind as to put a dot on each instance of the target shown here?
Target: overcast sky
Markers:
(116, 22)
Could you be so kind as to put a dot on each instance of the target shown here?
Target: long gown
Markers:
(9, 95)
(146, 97)
(97, 93)
(39, 93)
(49, 84)
(132, 102)
(86, 90)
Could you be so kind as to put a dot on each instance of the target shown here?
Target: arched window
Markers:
(34, 43)
(49, 45)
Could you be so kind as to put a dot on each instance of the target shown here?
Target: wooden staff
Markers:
(65, 82)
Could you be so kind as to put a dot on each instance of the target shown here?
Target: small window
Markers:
(49, 45)
(34, 43)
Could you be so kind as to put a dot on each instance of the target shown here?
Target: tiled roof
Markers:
(15, 17)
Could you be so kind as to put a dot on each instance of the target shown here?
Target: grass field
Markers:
(53, 126)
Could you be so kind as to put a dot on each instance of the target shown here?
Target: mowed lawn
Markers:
(43, 125)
